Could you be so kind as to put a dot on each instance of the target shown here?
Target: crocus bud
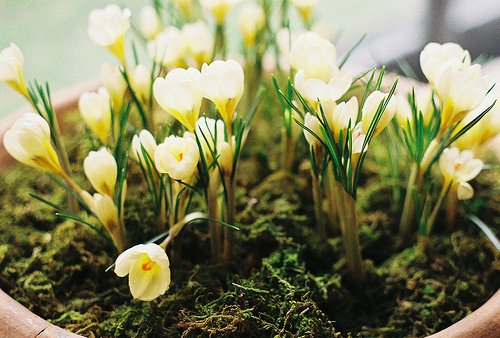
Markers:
(28, 141)
(149, 22)
(140, 81)
(435, 56)
(179, 95)
(199, 41)
(423, 102)
(344, 117)
(112, 79)
(370, 108)
(144, 140)
(225, 158)
(106, 211)
(219, 8)
(313, 124)
(222, 82)
(305, 8)
(326, 92)
(458, 168)
(315, 55)
(460, 89)
(178, 157)
(358, 139)
(11, 69)
(168, 48)
(148, 268)
(96, 112)
(210, 133)
(251, 19)
(101, 170)
(107, 28)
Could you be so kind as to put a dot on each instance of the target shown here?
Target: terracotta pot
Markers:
(16, 321)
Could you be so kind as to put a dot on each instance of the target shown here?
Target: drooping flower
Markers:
(107, 28)
(29, 142)
(219, 8)
(11, 69)
(144, 140)
(222, 82)
(178, 157)
(251, 19)
(101, 170)
(149, 22)
(458, 168)
(95, 109)
(179, 95)
(148, 268)
(315, 55)
(112, 79)
(168, 48)
(305, 8)
(200, 42)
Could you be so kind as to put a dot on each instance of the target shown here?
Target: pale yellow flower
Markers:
(148, 268)
(370, 108)
(434, 57)
(177, 157)
(219, 8)
(423, 101)
(458, 168)
(305, 8)
(343, 117)
(199, 41)
(107, 28)
(112, 79)
(222, 82)
(251, 19)
(144, 140)
(168, 48)
(95, 108)
(101, 169)
(140, 81)
(314, 125)
(29, 142)
(210, 134)
(179, 95)
(11, 69)
(149, 22)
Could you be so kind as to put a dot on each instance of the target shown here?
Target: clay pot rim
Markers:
(17, 320)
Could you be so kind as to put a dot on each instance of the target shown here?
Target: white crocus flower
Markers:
(149, 22)
(168, 48)
(140, 81)
(327, 93)
(101, 170)
(199, 41)
(225, 158)
(460, 90)
(284, 40)
(95, 109)
(222, 82)
(144, 140)
(210, 133)
(358, 138)
(251, 19)
(219, 8)
(314, 125)
(179, 95)
(11, 69)
(315, 55)
(370, 108)
(28, 141)
(148, 270)
(112, 79)
(343, 117)
(178, 157)
(423, 101)
(434, 57)
(107, 28)
(305, 8)
(458, 168)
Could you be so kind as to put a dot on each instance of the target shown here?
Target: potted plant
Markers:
(172, 181)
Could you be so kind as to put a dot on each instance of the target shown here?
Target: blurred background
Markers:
(52, 34)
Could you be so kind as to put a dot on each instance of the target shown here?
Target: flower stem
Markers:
(424, 240)
(451, 209)
(318, 205)
(407, 222)
(230, 218)
(288, 152)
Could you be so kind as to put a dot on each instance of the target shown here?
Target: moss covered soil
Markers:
(285, 281)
